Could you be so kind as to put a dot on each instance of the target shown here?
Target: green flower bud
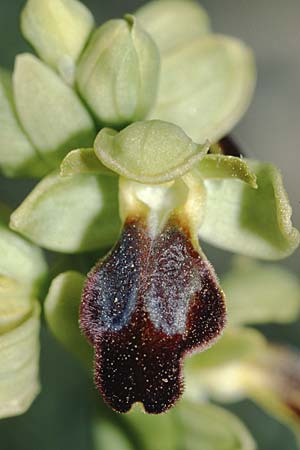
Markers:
(58, 31)
(148, 152)
(118, 72)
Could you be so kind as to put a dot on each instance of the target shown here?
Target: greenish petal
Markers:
(205, 86)
(83, 160)
(58, 31)
(223, 166)
(213, 427)
(254, 293)
(252, 222)
(49, 110)
(62, 314)
(19, 358)
(148, 152)
(18, 156)
(20, 260)
(118, 72)
(173, 23)
(70, 214)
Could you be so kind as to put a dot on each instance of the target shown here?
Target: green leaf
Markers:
(223, 166)
(118, 72)
(205, 86)
(17, 157)
(58, 31)
(252, 222)
(20, 260)
(148, 152)
(183, 20)
(255, 291)
(70, 214)
(83, 160)
(50, 111)
(62, 314)
(19, 358)
(209, 427)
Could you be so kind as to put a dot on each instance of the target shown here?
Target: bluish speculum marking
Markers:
(168, 303)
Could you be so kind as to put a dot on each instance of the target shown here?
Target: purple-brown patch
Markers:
(146, 305)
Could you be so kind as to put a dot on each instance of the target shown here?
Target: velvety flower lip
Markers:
(147, 304)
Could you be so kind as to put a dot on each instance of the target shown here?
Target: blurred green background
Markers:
(60, 417)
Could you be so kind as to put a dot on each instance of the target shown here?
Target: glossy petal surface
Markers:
(144, 306)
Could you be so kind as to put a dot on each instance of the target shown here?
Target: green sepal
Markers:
(18, 157)
(118, 72)
(173, 23)
(58, 31)
(223, 166)
(62, 314)
(255, 292)
(70, 214)
(251, 222)
(83, 160)
(205, 86)
(20, 260)
(50, 111)
(148, 152)
(19, 365)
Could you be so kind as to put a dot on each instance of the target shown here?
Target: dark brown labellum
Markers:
(146, 305)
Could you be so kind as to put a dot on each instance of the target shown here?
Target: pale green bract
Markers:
(70, 214)
(148, 152)
(118, 72)
(49, 110)
(58, 30)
